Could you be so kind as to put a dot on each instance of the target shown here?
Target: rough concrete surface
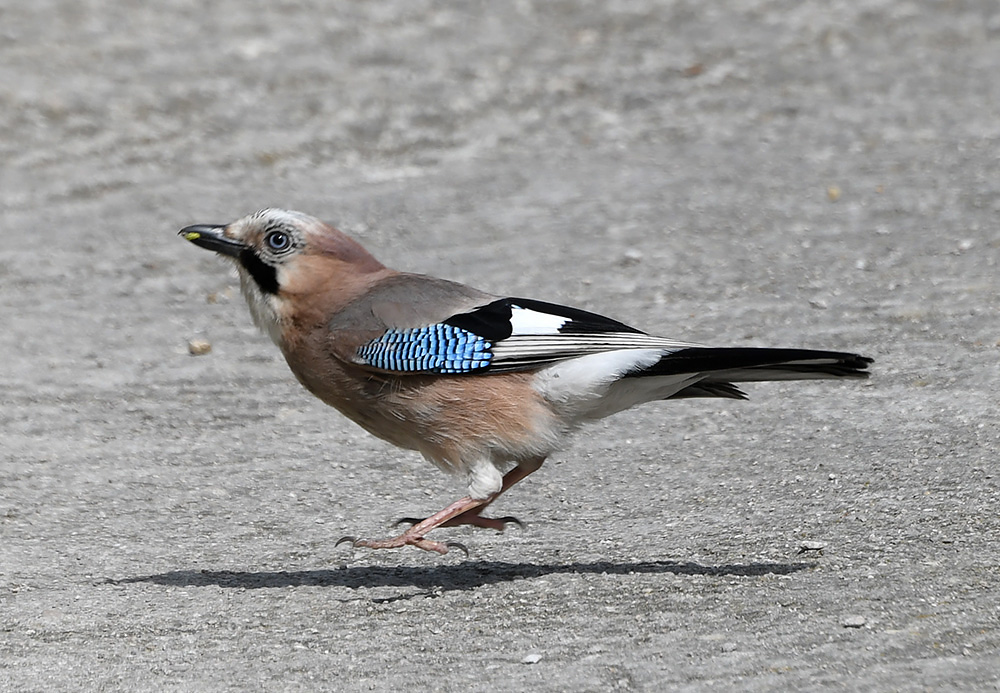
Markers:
(765, 172)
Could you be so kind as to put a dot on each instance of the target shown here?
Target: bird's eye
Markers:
(278, 241)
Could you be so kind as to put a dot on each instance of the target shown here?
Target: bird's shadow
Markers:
(435, 580)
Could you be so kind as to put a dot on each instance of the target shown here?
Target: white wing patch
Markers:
(526, 321)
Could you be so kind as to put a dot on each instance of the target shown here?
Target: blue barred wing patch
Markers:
(437, 348)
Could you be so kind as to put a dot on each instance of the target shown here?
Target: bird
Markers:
(485, 387)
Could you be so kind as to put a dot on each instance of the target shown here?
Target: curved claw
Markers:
(475, 521)
(346, 540)
(510, 520)
(461, 547)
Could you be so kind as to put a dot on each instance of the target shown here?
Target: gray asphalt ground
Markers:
(783, 173)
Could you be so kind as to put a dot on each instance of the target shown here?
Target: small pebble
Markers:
(533, 658)
(199, 347)
(854, 621)
(833, 193)
(632, 256)
(693, 70)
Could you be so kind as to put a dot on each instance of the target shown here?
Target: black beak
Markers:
(210, 236)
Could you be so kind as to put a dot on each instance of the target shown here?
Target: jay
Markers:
(483, 386)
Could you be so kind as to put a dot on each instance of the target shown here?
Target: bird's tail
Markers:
(721, 367)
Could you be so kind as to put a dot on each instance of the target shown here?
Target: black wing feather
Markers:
(492, 321)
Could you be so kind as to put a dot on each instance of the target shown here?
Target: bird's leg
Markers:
(414, 536)
(473, 516)
(464, 511)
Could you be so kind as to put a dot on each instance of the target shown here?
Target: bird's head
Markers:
(290, 264)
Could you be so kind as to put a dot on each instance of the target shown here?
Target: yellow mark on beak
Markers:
(192, 236)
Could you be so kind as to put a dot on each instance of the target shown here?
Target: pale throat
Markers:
(263, 307)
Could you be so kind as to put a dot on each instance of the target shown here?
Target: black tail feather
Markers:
(754, 363)
(710, 389)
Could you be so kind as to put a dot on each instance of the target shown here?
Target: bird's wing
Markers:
(507, 334)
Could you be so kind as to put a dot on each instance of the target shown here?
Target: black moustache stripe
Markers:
(265, 275)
